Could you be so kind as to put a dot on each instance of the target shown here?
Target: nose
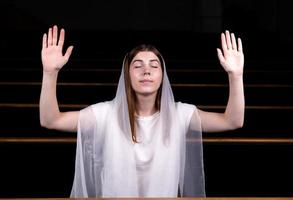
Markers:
(147, 71)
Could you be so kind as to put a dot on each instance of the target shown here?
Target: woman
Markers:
(142, 143)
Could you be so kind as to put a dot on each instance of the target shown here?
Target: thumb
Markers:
(222, 59)
(220, 55)
(68, 52)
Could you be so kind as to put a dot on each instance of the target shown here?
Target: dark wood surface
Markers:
(211, 198)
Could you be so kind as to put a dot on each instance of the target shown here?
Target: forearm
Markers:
(49, 109)
(234, 113)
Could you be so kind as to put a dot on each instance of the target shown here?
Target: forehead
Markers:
(145, 56)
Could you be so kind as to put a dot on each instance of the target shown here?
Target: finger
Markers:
(61, 38)
(68, 52)
(220, 55)
(234, 44)
(55, 35)
(223, 41)
(228, 40)
(240, 45)
(49, 37)
(44, 45)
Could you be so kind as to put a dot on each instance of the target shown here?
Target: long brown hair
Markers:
(130, 93)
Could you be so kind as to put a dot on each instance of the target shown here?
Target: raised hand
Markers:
(52, 57)
(231, 57)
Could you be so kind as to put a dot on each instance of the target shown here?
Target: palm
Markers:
(52, 56)
(231, 57)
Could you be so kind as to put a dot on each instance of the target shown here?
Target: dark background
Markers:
(187, 33)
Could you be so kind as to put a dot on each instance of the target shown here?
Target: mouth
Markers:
(146, 81)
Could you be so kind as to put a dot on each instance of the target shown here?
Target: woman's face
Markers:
(145, 73)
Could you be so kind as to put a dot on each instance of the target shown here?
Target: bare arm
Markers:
(53, 60)
(232, 59)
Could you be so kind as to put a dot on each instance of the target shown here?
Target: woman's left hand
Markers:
(231, 56)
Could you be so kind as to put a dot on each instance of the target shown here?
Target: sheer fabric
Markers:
(106, 165)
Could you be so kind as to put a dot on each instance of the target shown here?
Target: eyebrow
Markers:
(139, 60)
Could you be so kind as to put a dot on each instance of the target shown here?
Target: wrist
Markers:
(235, 78)
(50, 73)
(234, 75)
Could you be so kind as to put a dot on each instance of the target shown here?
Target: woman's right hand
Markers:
(52, 57)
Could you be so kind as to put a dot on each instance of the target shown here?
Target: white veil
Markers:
(105, 158)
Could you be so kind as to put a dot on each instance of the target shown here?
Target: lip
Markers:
(146, 81)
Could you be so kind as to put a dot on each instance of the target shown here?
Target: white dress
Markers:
(108, 164)
(168, 157)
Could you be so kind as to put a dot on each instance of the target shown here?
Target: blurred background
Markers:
(252, 161)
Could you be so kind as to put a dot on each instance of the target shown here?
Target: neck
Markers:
(146, 104)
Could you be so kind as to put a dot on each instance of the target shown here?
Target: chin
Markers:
(146, 92)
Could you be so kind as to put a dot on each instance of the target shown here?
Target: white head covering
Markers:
(106, 165)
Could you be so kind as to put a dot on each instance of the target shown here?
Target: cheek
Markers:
(133, 78)
(159, 77)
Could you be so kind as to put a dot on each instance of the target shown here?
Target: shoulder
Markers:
(182, 107)
(185, 110)
(95, 112)
(92, 116)
(101, 107)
